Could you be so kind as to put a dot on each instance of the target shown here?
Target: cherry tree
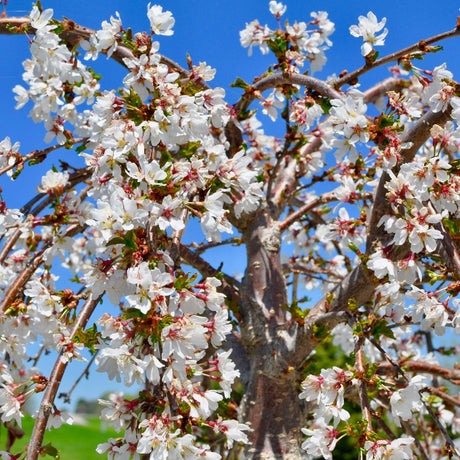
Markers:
(357, 200)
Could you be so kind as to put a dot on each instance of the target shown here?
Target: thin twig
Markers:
(85, 373)
(230, 286)
(300, 269)
(37, 154)
(54, 381)
(362, 385)
(407, 427)
(381, 423)
(80, 175)
(299, 213)
(200, 248)
(37, 356)
(441, 427)
(412, 365)
(389, 358)
(444, 396)
(25, 275)
(8, 246)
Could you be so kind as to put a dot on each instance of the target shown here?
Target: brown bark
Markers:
(270, 404)
(46, 406)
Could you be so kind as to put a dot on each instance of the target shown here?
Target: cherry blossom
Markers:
(368, 28)
(349, 219)
(161, 22)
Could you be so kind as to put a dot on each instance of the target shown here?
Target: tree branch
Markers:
(407, 428)
(444, 396)
(416, 135)
(24, 277)
(73, 33)
(85, 373)
(230, 287)
(54, 381)
(300, 268)
(300, 212)
(421, 367)
(419, 46)
(282, 79)
(32, 266)
(200, 248)
(287, 180)
(37, 155)
(362, 385)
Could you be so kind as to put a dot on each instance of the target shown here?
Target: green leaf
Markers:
(240, 83)
(434, 277)
(115, 240)
(81, 148)
(50, 450)
(130, 239)
(381, 328)
(320, 332)
(325, 104)
(184, 281)
(189, 149)
(90, 338)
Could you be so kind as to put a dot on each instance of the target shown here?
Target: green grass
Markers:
(74, 442)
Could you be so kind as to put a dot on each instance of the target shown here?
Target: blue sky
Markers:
(208, 31)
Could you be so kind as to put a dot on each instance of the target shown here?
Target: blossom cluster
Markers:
(165, 152)
(303, 43)
(151, 172)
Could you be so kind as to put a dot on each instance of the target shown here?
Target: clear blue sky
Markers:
(208, 31)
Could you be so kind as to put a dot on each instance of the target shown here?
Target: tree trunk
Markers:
(270, 404)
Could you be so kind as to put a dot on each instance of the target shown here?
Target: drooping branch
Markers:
(409, 431)
(25, 275)
(38, 155)
(85, 373)
(54, 381)
(444, 396)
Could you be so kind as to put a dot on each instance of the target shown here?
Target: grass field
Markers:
(74, 442)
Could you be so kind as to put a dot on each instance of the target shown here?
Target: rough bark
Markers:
(270, 404)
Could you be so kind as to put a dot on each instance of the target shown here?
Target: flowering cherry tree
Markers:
(358, 200)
